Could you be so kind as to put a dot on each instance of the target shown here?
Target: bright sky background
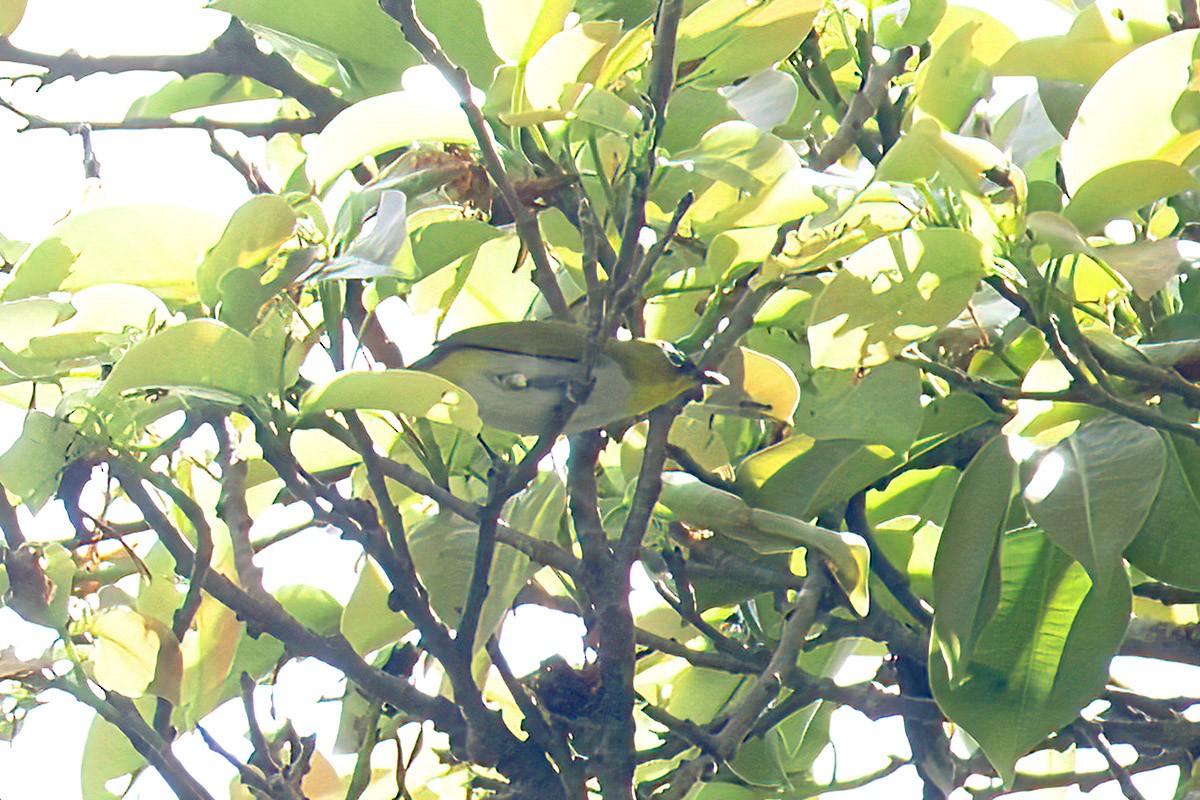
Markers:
(43, 177)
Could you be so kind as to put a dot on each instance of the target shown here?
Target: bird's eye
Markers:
(513, 380)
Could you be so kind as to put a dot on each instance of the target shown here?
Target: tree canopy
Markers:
(933, 280)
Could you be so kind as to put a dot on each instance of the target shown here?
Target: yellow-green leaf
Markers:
(254, 233)
(382, 123)
(135, 654)
(11, 13)
(725, 514)
(401, 391)
(198, 356)
(153, 246)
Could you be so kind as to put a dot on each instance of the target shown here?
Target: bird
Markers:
(522, 373)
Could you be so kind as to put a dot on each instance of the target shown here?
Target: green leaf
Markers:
(23, 321)
(1093, 491)
(459, 28)
(1043, 656)
(556, 74)
(606, 111)
(45, 266)
(801, 476)
(440, 244)
(966, 570)
(198, 91)
(30, 468)
(947, 417)
(951, 81)
(481, 288)
(759, 385)
(873, 215)
(378, 124)
(706, 507)
(1147, 266)
(367, 623)
(201, 356)
(908, 515)
(1121, 190)
(911, 25)
(11, 249)
(539, 510)
(928, 150)
(518, 28)
(891, 293)
(881, 408)
(254, 233)
(1167, 546)
(365, 41)
(691, 112)
(111, 308)
(760, 179)
(732, 39)
(699, 694)
(401, 391)
(153, 246)
(1101, 138)
(314, 608)
(256, 656)
(443, 548)
(108, 754)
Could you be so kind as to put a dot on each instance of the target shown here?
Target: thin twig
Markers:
(1084, 781)
(1095, 739)
(539, 550)
(394, 556)
(91, 164)
(265, 129)
(662, 80)
(248, 775)
(683, 728)
(629, 294)
(485, 551)
(249, 172)
(748, 663)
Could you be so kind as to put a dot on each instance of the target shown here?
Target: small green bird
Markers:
(518, 373)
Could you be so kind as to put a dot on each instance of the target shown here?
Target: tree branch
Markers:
(263, 613)
(662, 81)
(122, 714)
(862, 107)
(234, 52)
(1190, 10)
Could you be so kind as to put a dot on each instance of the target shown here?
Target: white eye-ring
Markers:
(513, 380)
